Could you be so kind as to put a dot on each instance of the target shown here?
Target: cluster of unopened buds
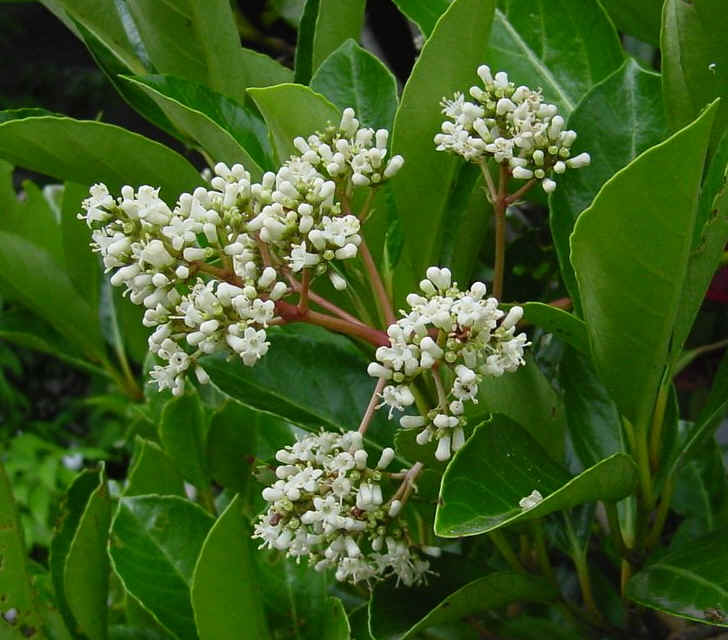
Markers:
(210, 270)
(514, 126)
(457, 336)
(327, 505)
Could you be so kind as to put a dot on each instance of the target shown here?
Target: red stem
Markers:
(376, 283)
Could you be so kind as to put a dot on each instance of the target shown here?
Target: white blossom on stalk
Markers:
(328, 505)
(463, 332)
(512, 125)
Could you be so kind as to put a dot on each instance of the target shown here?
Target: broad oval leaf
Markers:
(152, 471)
(446, 64)
(155, 542)
(87, 152)
(640, 18)
(562, 46)
(564, 325)
(501, 464)
(225, 598)
(630, 284)
(424, 14)
(694, 60)
(353, 77)
(691, 582)
(397, 613)
(292, 110)
(625, 109)
(229, 132)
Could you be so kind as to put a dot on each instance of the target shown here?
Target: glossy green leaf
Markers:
(72, 510)
(630, 327)
(227, 131)
(694, 61)
(231, 444)
(225, 598)
(446, 64)
(152, 471)
(15, 588)
(334, 393)
(424, 14)
(86, 567)
(562, 46)
(542, 416)
(260, 70)
(564, 325)
(353, 77)
(691, 582)
(595, 427)
(700, 487)
(155, 542)
(711, 236)
(292, 110)
(397, 613)
(87, 152)
(182, 432)
(325, 24)
(626, 109)
(500, 464)
(639, 18)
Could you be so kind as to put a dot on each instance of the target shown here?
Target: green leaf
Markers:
(325, 24)
(353, 77)
(562, 46)
(397, 613)
(155, 542)
(334, 394)
(182, 432)
(152, 471)
(501, 464)
(564, 325)
(626, 109)
(72, 510)
(260, 70)
(86, 567)
(639, 18)
(630, 284)
(87, 151)
(711, 236)
(231, 444)
(422, 188)
(15, 589)
(595, 427)
(292, 110)
(542, 416)
(691, 582)
(694, 61)
(424, 14)
(226, 130)
(225, 598)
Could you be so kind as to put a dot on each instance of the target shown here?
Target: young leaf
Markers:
(226, 130)
(500, 464)
(563, 46)
(182, 432)
(325, 24)
(691, 582)
(87, 152)
(625, 108)
(424, 14)
(292, 110)
(446, 64)
(353, 77)
(397, 613)
(86, 567)
(152, 471)
(155, 542)
(694, 61)
(630, 289)
(225, 598)
(15, 588)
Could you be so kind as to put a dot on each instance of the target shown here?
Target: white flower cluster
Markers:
(208, 271)
(328, 506)
(458, 336)
(513, 126)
